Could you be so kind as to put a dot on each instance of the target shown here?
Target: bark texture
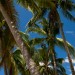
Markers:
(29, 62)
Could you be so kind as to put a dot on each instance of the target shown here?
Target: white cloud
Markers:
(67, 65)
(66, 60)
(69, 32)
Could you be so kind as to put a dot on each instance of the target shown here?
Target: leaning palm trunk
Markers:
(29, 62)
(5, 69)
(54, 60)
(51, 51)
(67, 50)
(54, 63)
(51, 46)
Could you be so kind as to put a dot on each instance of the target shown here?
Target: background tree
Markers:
(30, 63)
(43, 40)
(67, 7)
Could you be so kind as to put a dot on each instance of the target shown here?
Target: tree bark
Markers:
(5, 69)
(51, 51)
(55, 68)
(54, 61)
(29, 62)
(67, 49)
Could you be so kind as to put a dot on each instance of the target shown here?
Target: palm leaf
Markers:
(60, 43)
(43, 53)
(10, 9)
(18, 57)
(19, 60)
(29, 4)
(24, 36)
(2, 23)
(28, 43)
(45, 4)
(37, 57)
(36, 17)
(61, 70)
(37, 30)
(60, 60)
(32, 6)
(44, 22)
(36, 41)
(68, 15)
(67, 7)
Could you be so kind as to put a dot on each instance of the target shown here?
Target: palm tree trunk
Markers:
(51, 51)
(29, 62)
(5, 69)
(67, 49)
(54, 61)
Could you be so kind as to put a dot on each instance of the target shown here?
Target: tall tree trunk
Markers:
(67, 49)
(51, 51)
(5, 69)
(54, 61)
(29, 62)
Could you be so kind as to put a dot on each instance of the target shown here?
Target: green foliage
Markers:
(2, 23)
(67, 7)
(37, 30)
(48, 28)
(42, 55)
(20, 62)
(60, 43)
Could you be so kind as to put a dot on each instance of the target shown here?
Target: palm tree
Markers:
(44, 31)
(30, 63)
(67, 50)
(20, 62)
(41, 55)
(32, 6)
(66, 6)
(6, 45)
(13, 62)
(7, 41)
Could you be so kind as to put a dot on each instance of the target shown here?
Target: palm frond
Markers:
(43, 53)
(61, 69)
(25, 36)
(37, 57)
(10, 9)
(29, 4)
(45, 4)
(19, 60)
(45, 25)
(60, 43)
(30, 24)
(68, 5)
(37, 30)
(18, 57)
(2, 23)
(60, 60)
(36, 41)
(36, 17)
(69, 15)
(44, 22)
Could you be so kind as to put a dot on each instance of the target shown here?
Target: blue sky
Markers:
(69, 30)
